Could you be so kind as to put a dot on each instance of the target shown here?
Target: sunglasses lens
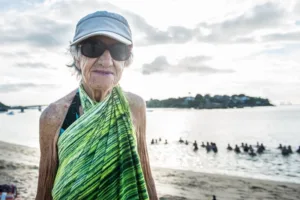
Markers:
(120, 52)
(92, 50)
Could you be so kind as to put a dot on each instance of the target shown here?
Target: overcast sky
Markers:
(181, 48)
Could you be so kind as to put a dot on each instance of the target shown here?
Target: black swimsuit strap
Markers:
(73, 112)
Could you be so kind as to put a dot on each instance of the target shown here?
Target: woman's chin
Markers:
(102, 85)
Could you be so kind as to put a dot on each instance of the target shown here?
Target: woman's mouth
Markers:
(103, 72)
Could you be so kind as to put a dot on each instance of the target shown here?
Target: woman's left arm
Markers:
(143, 152)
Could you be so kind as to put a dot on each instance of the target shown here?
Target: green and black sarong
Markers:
(98, 157)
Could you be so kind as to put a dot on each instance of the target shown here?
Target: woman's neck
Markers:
(96, 95)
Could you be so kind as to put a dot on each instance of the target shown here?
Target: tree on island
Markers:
(209, 102)
(3, 107)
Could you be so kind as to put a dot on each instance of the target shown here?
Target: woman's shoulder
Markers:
(57, 110)
(137, 107)
(135, 101)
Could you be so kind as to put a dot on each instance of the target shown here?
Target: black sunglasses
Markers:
(94, 49)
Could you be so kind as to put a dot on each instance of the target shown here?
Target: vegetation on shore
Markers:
(3, 107)
(198, 102)
(209, 102)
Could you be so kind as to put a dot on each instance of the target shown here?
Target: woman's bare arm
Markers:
(138, 112)
(50, 122)
(48, 155)
(143, 152)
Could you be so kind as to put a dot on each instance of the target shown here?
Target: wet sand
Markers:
(19, 166)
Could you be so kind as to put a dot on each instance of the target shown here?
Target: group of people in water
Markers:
(249, 149)
(287, 150)
(154, 141)
(208, 146)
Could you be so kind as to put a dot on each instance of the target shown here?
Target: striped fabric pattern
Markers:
(98, 157)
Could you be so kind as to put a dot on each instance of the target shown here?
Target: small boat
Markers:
(11, 113)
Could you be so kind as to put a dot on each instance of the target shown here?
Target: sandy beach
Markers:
(19, 166)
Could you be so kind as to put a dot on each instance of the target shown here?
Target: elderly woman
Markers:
(92, 141)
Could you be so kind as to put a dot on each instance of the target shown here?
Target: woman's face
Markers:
(101, 73)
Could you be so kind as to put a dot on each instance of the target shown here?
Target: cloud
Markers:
(48, 24)
(15, 54)
(33, 65)
(265, 16)
(56, 28)
(35, 31)
(69, 9)
(245, 40)
(297, 8)
(6, 54)
(154, 36)
(194, 60)
(185, 65)
(16, 87)
(45, 31)
(174, 34)
(290, 36)
(17, 4)
(159, 64)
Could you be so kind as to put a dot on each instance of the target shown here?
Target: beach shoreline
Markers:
(19, 166)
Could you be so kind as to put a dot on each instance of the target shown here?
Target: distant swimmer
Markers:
(214, 148)
(159, 139)
(237, 149)
(262, 146)
(166, 142)
(251, 148)
(229, 148)
(195, 143)
(260, 150)
(208, 148)
(152, 141)
(252, 153)
(298, 150)
(207, 144)
(195, 146)
(186, 142)
(280, 146)
(290, 149)
(257, 145)
(181, 141)
(242, 145)
(284, 151)
(155, 141)
(246, 148)
(203, 145)
(214, 197)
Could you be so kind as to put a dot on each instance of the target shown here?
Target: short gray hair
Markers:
(75, 53)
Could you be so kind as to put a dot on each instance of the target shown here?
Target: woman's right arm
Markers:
(49, 124)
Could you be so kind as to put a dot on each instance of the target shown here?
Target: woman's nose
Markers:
(105, 59)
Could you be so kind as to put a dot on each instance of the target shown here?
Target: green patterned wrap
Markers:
(98, 157)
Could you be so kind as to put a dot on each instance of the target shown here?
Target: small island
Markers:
(209, 102)
(5, 108)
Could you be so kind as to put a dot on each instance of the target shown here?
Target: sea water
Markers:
(268, 125)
